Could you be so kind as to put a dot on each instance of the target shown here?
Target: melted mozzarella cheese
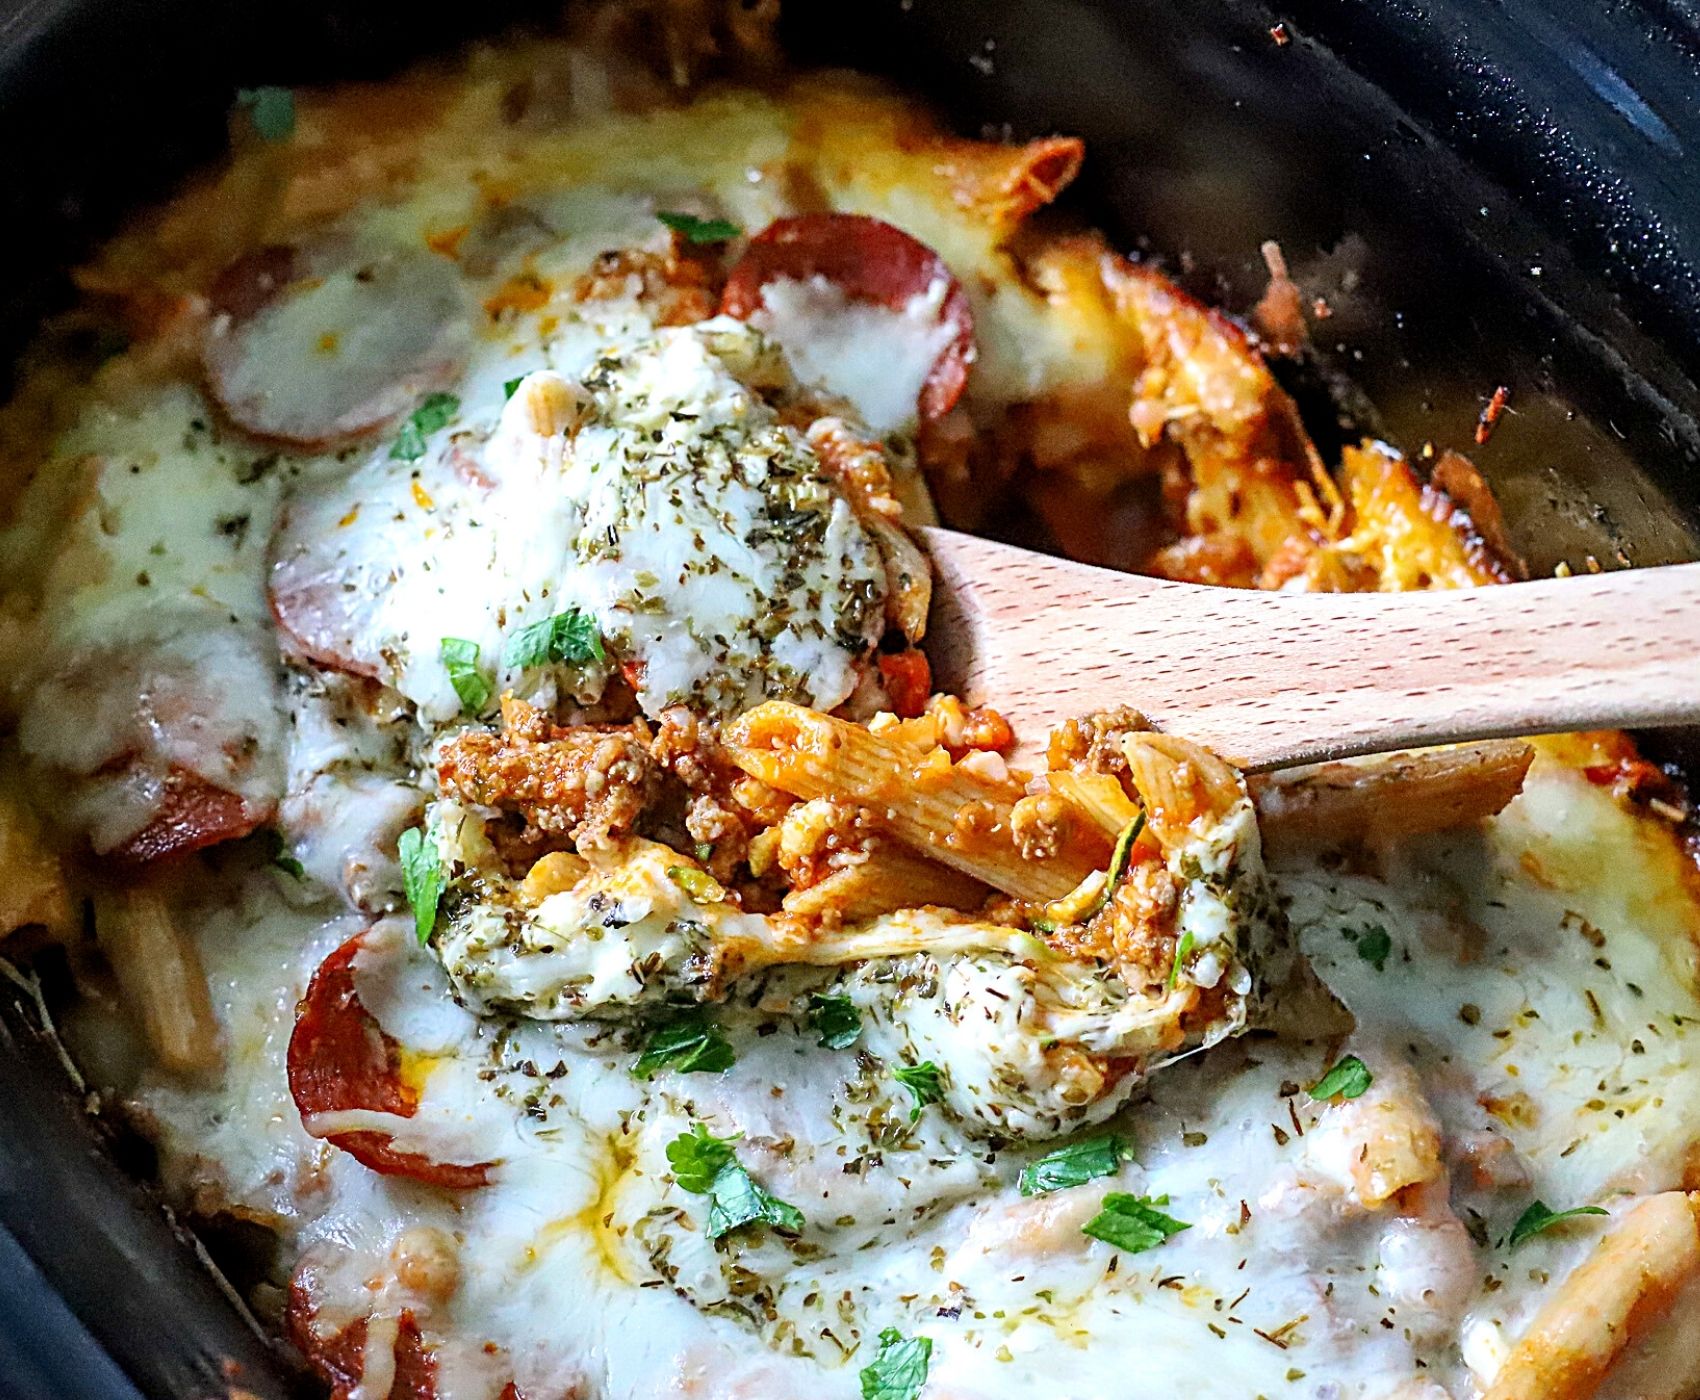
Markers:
(143, 549)
(350, 791)
(1540, 992)
(630, 934)
(876, 357)
(658, 495)
(584, 1263)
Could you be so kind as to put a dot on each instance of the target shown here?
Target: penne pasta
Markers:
(1098, 796)
(160, 975)
(1005, 184)
(1395, 795)
(1622, 1289)
(34, 892)
(957, 817)
(889, 879)
(1178, 782)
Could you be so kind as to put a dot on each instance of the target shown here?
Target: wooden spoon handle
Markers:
(1270, 679)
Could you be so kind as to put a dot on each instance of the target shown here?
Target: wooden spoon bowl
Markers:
(1271, 679)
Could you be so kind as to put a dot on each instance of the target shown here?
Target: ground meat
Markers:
(678, 284)
(725, 808)
(821, 836)
(1040, 825)
(584, 781)
(1136, 930)
(1094, 744)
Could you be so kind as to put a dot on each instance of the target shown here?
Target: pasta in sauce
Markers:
(468, 653)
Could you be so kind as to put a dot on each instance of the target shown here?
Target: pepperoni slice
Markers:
(340, 1359)
(316, 345)
(193, 813)
(340, 1058)
(335, 557)
(321, 614)
(869, 261)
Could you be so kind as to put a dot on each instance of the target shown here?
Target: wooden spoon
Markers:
(1273, 679)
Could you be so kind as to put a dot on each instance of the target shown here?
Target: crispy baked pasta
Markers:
(471, 739)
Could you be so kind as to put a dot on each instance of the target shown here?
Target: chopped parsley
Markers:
(1346, 1080)
(432, 414)
(278, 854)
(697, 1157)
(1133, 1223)
(689, 1044)
(460, 660)
(922, 1081)
(1074, 1164)
(569, 637)
(1183, 947)
(899, 1368)
(422, 877)
(271, 111)
(1539, 1217)
(706, 1165)
(1373, 943)
(695, 230)
(837, 1020)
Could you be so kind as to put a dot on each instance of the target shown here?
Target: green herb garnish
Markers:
(1074, 1164)
(278, 854)
(1182, 948)
(706, 1165)
(569, 637)
(737, 1199)
(1346, 1080)
(422, 878)
(837, 1020)
(695, 230)
(432, 414)
(899, 1368)
(1133, 1223)
(689, 1044)
(1538, 1218)
(922, 1081)
(1373, 945)
(271, 111)
(460, 660)
(697, 1157)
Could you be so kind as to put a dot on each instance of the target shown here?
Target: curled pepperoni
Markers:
(340, 1058)
(870, 261)
(340, 1359)
(192, 813)
(316, 345)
